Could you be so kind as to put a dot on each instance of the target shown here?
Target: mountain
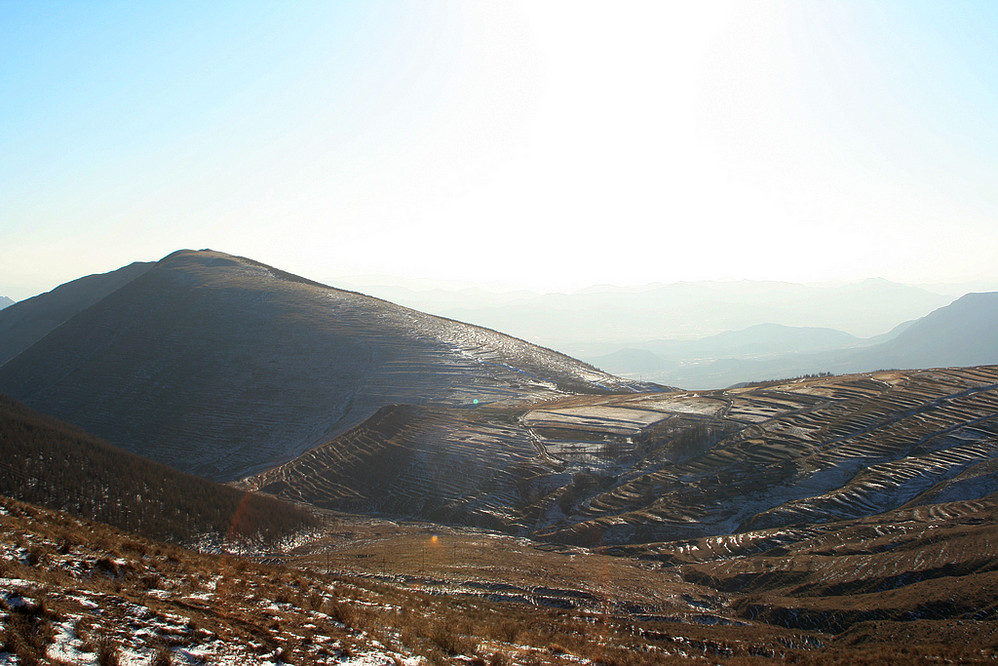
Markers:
(760, 340)
(222, 366)
(962, 333)
(5, 302)
(634, 362)
(684, 360)
(59, 466)
(28, 321)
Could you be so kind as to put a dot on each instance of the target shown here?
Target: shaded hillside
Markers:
(5, 302)
(631, 469)
(221, 366)
(56, 465)
(28, 321)
(471, 467)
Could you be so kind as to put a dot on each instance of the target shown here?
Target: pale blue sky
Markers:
(543, 144)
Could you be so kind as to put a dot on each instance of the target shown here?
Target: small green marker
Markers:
(475, 401)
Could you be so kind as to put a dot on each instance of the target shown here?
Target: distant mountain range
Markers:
(962, 333)
(600, 320)
(222, 366)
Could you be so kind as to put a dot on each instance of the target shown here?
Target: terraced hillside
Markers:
(222, 366)
(647, 468)
(802, 453)
(471, 467)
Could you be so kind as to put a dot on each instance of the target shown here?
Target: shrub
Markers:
(164, 657)
(106, 649)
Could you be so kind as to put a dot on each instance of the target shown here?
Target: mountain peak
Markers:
(214, 353)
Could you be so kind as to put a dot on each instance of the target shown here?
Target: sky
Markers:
(544, 145)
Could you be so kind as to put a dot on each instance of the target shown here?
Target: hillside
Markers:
(918, 588)
(644, 468)
(59, 466)
(222, 366)
(28, 321)
(964, 332)
(5, 302)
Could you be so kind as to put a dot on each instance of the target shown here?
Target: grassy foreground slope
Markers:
(383, 594)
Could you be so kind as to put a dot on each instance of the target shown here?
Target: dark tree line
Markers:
(46, 462)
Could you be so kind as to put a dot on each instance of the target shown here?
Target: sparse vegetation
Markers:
(301, 614)
(53, 464)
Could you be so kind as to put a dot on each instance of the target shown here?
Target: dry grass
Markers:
(303, 615)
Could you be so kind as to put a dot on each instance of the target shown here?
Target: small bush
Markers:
(499, 659)
(106, 650)
(343, 613)
(164, 657)
(451, 642)
(34, 556)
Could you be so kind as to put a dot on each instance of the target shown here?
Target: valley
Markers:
(401, 488)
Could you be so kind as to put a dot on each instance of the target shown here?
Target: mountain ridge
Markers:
(257, 365)
(25, 322)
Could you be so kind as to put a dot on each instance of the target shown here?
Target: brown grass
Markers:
(320, 616)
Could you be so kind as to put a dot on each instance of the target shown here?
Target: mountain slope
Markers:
(222, 366)
(641, 468)
(5, 302)
(24, 323)
(964, 332)
(61, 467)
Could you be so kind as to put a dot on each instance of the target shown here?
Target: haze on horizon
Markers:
(550, 145)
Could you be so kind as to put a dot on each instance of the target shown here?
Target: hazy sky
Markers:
(546, 144)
